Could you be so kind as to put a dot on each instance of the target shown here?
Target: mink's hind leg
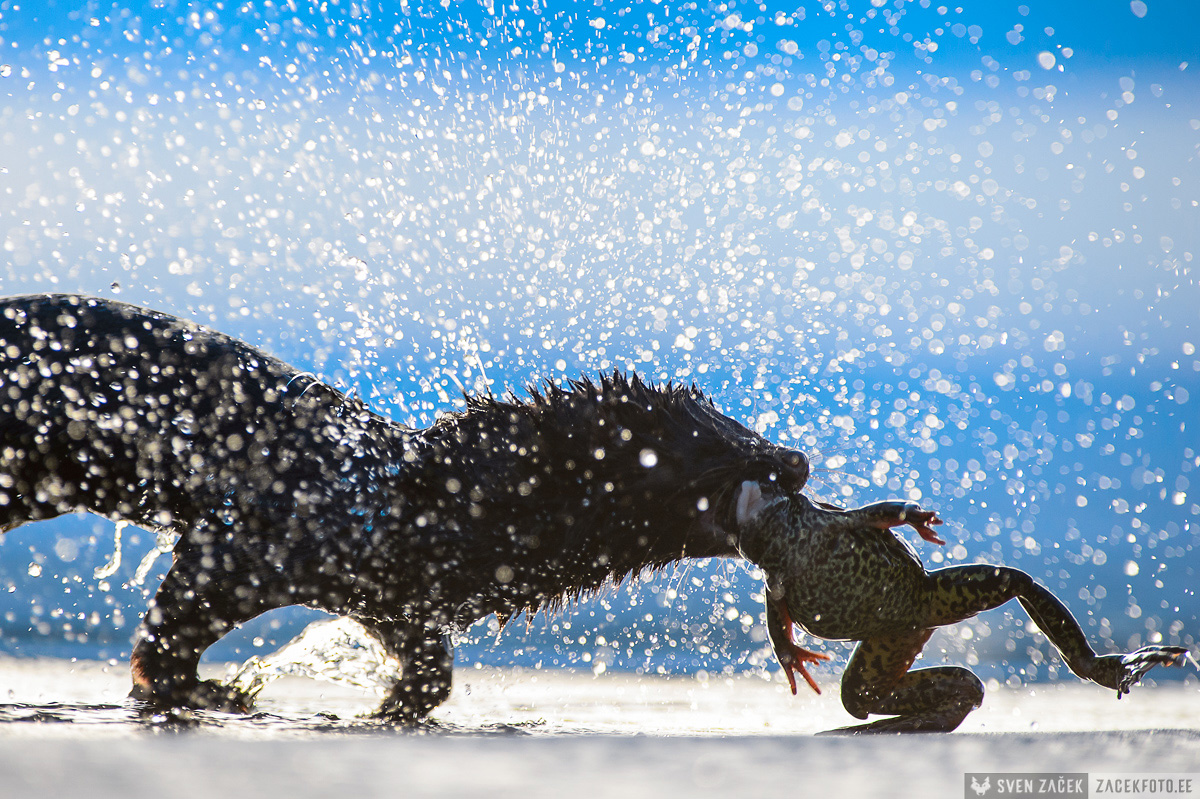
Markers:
(961, 592)
(426, 660)
(191, 611)
(877, 681)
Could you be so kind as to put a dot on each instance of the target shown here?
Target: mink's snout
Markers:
(786, 468)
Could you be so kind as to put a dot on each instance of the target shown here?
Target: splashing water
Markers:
(340, 651)
(114, 563)
(950, 248)
(164, 543)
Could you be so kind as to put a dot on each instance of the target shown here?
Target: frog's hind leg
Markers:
(878, 681)
(960, 592)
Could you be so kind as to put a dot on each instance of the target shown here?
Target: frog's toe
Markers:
(1150, 656)
(926, 532)
(896, 514)
(922, 520)
(793, 663)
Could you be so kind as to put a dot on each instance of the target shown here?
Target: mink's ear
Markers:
(749, 502)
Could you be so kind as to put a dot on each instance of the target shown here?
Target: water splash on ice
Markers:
(339, 651)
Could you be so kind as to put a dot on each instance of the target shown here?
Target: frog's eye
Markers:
(749, 502)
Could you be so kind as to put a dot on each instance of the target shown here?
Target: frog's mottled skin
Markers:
(843, 575)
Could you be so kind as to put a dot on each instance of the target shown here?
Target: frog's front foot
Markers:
(793, 659)
(886, 515)
(1122, 672)
(921, 520)
(791, 656)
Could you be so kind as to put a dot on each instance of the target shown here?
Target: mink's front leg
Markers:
(193, 608)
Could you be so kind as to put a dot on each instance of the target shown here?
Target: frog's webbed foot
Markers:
(920, 520)
(1122, 672)
(943, 720)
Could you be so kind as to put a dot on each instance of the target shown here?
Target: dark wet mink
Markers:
(286, 491)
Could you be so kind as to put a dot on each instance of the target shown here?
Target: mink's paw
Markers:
(203, 695)
(409, 703)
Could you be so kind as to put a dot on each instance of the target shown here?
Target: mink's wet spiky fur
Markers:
(285, 491)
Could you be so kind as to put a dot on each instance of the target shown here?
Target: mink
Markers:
(286, 491)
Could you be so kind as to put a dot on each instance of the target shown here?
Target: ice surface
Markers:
(551, 733)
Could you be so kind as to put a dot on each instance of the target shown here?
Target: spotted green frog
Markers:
(843, 575)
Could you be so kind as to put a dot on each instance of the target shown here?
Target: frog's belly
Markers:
(859, 589)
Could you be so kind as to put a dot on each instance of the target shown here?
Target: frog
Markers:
(844, 575)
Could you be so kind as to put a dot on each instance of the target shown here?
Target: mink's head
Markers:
(666, 449)
(595, 480)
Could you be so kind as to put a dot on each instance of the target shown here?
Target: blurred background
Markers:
(946, 249)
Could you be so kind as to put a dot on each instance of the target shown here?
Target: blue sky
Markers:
(1102, 36)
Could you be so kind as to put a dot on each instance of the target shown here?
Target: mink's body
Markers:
(285, 491)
